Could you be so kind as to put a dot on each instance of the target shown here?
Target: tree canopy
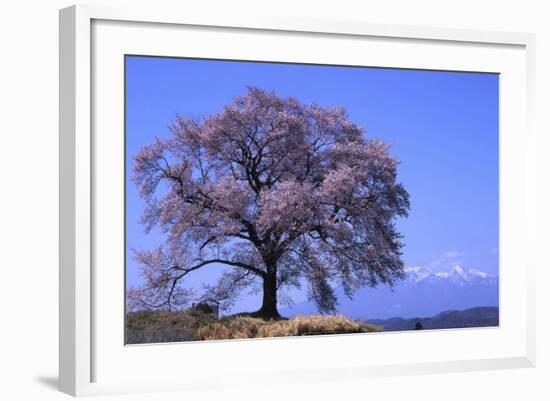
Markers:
(280, 193)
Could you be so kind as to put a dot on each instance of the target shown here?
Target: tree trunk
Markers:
(269, 302)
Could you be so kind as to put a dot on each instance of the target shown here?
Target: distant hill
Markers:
(421, 293)
(473, 317)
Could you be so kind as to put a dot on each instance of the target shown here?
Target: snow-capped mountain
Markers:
(421, 293)
(457, 275)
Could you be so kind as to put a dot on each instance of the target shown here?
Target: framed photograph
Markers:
(242, 194)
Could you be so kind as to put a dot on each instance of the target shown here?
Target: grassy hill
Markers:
(191, 325)
(162, 326)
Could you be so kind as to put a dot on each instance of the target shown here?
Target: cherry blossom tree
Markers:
(274, 194)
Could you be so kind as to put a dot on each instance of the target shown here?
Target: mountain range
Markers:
(421, 293)
(481, 316)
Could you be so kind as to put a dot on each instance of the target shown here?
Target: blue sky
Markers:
(443, 126)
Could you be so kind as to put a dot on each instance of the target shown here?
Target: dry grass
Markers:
(164, 320)
(163, 326)
(248, 327)
(150, 327)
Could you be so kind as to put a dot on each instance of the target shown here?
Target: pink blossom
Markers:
(275, 190)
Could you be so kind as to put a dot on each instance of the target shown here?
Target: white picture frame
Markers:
(82, 344)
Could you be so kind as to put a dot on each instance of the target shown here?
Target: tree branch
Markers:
(221, 261)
